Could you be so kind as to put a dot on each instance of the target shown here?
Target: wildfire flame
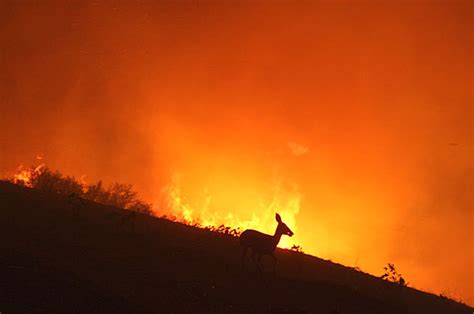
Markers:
(286, 203)
(25, 176)
(206, 214)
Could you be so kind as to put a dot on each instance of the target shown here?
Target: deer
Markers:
(262, 244)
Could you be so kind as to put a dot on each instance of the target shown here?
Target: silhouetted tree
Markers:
(392, 275)
(117, 194)
(235, 232)
(54, 181)
(96, 192)
(297, 248)
(141, 207)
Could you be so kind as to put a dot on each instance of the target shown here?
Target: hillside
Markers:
(63, 255)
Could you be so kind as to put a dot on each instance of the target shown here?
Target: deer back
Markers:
(258, 241)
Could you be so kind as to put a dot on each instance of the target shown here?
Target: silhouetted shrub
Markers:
(297, 248)
(392, 275)
(141, 207)
(96, 192)
(55, 182)
(121, 195)
(117, 194)
(235, 232)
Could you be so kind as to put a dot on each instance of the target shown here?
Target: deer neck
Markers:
(277, 237)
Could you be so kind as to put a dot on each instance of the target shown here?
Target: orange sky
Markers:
(361, 110)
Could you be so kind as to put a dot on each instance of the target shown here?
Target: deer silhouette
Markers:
(262, 244)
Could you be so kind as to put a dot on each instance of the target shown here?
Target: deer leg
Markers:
(254, 258)
(242, 257)
(274, 262)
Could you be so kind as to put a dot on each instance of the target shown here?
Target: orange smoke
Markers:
(353, 119)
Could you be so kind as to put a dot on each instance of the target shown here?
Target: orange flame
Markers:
(286, 203)
(25, 176)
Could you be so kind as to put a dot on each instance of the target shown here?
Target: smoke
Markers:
(355, 118)
(297, 149)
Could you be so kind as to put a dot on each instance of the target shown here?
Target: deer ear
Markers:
(278, 218)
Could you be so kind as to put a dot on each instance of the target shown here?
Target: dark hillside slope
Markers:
(62, 255)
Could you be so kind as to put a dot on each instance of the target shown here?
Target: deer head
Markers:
(282, 227)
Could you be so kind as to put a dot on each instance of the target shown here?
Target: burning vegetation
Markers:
(117, 194)
(204, 213)
(27, 176)
(176, 206)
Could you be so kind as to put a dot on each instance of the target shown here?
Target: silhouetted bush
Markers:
(141, 207)
(54, 181)
(117, 194)
(297, 248)
(392, 275)
(235, 232)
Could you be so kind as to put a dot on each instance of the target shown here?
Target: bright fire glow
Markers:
(25, 176)
(203, 213)
(365, 105)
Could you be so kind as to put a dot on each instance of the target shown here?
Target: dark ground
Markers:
(58, 256)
